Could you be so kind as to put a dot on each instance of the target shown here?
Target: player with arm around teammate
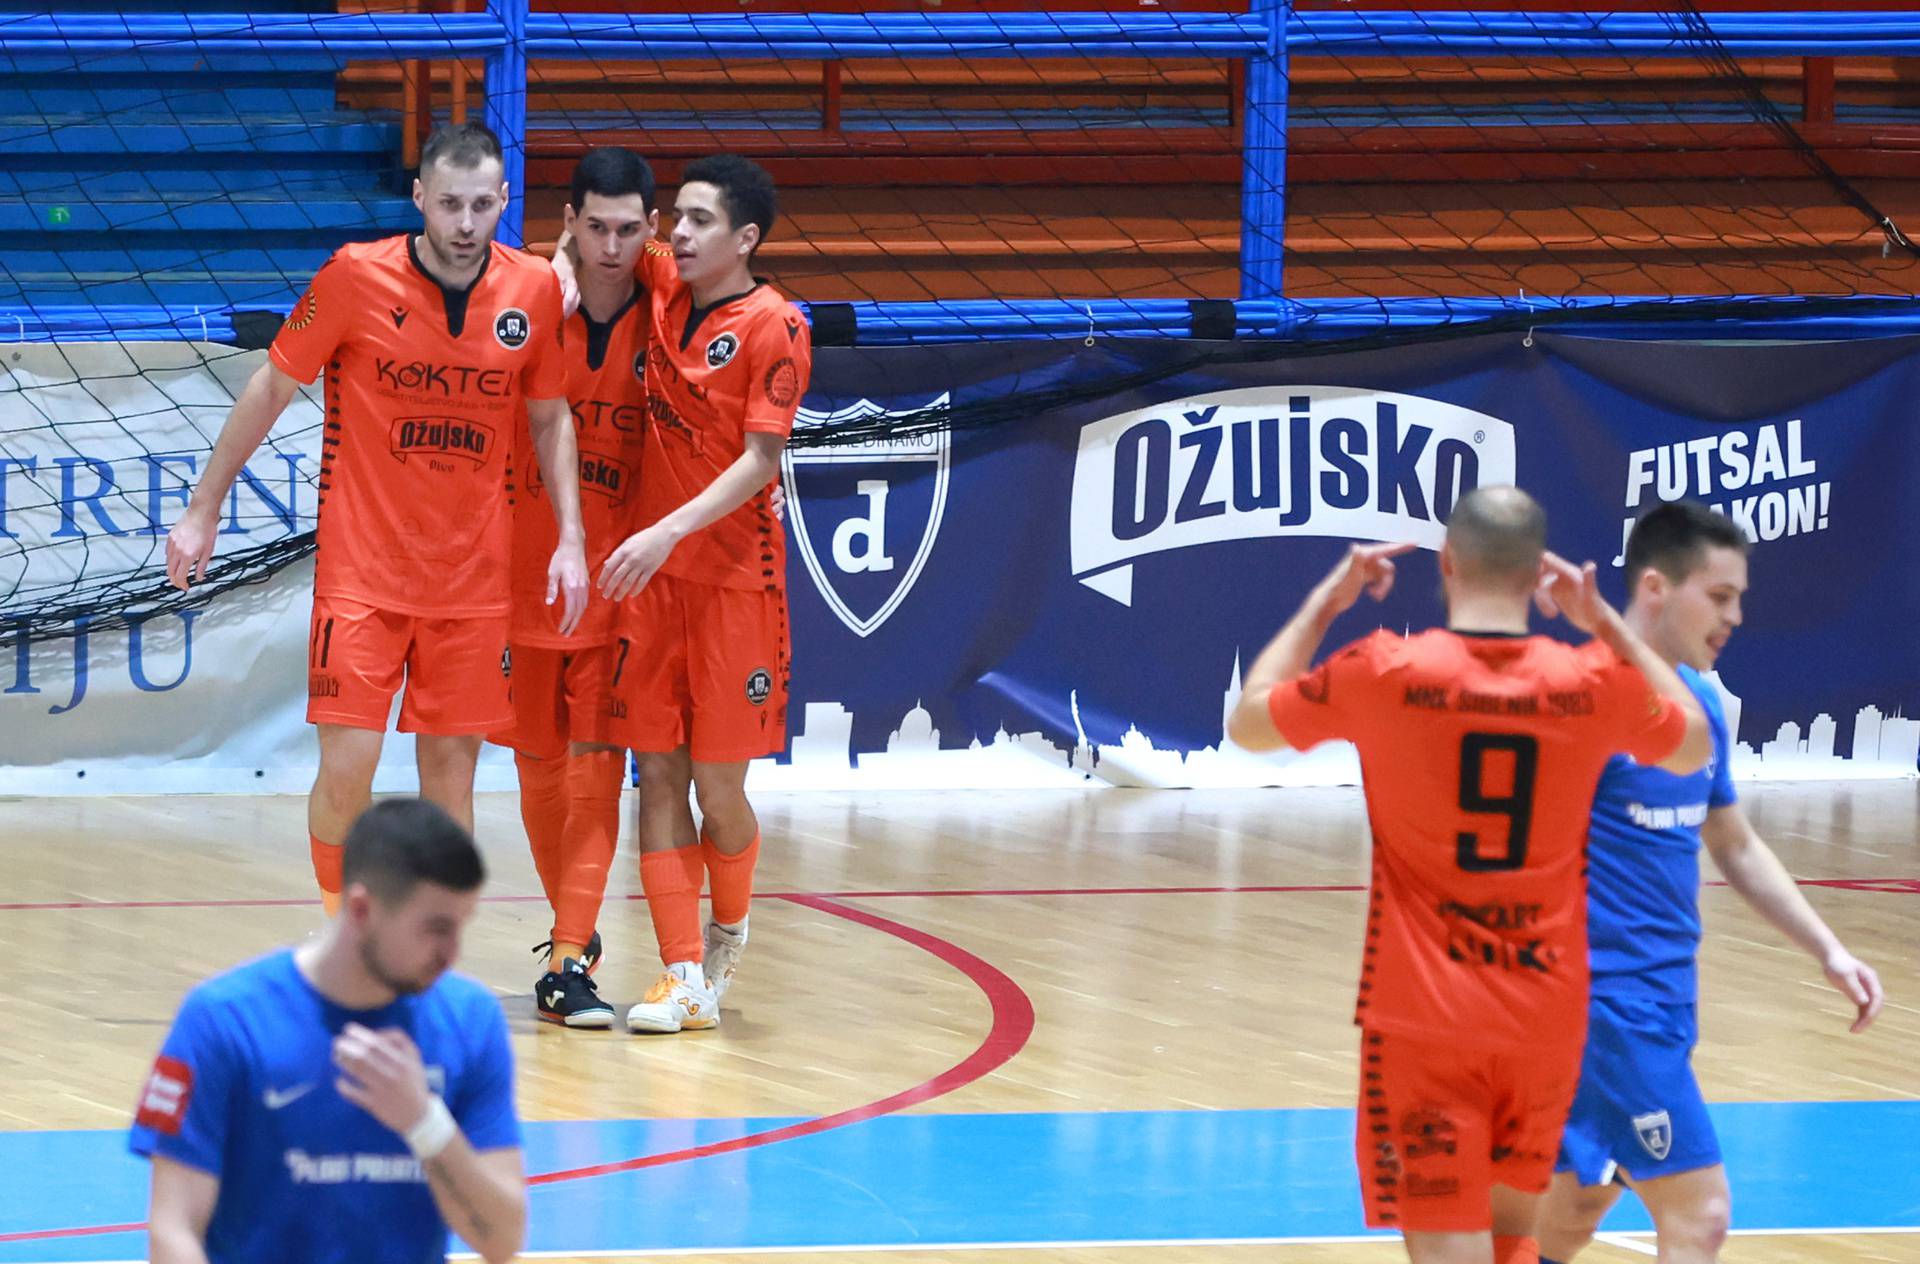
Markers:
(702, 662)
(347, 1101)
(1480, 746)
(1638, 1120)
(569, 769)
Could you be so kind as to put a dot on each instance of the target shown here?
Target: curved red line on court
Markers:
(1011, 1028)
(1885, 886)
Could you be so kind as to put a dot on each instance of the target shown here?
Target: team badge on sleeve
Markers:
(783, 383)
(511, 329)
(304, 312)
(164, 1098)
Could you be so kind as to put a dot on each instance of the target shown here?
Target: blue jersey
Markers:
(1643, 879)
(244, 1090)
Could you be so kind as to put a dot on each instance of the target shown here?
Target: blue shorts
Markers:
(1638, 1109)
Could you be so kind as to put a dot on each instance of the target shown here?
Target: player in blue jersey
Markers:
(347, 1101)
(1638, 1120)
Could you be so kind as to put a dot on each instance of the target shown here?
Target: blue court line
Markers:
(1175, 1176)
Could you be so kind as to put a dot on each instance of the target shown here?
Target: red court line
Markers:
(37, 1235)
(1012, 1027)
(1890, 886)
(1009, 1032)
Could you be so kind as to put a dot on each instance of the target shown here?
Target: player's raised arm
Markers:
(1756, 873)
(190, 542)
(1366, 568)
(1574, 593)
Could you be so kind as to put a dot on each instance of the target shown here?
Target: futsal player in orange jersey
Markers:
(700, 684)
(432, 344)
(569, 772)
(1480, 747)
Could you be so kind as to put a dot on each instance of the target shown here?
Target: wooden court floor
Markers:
(1180, 951)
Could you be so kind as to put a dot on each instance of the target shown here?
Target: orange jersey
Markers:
(606, 389)
(713, 376)
(424, 390)
(1479, 756)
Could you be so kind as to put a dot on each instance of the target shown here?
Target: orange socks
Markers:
(671, 880)
(591, 830)
(326, 871)
(543, 811)
(1515, 1250)
(731, 880)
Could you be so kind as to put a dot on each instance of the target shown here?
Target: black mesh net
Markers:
(995, 173)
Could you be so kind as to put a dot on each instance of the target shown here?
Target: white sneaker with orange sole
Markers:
(679, 1000)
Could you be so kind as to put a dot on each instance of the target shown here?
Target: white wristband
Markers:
(435, 1131)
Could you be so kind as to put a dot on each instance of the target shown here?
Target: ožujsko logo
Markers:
(1274, 461)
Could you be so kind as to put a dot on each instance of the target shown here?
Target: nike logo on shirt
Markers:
(275, 1098)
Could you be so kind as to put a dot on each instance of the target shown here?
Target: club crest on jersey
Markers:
(1655, 1131)
(866, 515)
(759, 687)
(640, 366)
(511, 329)
(1259, 463)
(722, 350)
(439, 439)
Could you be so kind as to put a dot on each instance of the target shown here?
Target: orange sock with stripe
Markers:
(671, 880)
(730, 879)
(587, 844)
(326, 871)
(1512, 1249)
(543, 811)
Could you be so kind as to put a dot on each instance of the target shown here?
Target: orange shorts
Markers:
(1440, 1126)
(703, 667)
(559, 697)
(455, 670)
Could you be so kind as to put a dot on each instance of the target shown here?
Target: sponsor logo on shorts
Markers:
(1426, 1132)
(1655, 1131)
(323, 685)
(511, 329)
(1419, 1186)
(759, 687)
(721, 350)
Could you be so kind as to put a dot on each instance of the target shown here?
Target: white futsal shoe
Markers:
(679, 1000)
(723, 948)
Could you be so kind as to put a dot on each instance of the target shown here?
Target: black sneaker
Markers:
(589, 956)
(569, 998)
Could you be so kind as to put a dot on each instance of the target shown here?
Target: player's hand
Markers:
(1366, 568)
(1573, 593)
(190, 548)
(381, 1073)
(777, 502)
(568, 276)
(1856, 981)
(567, 582)
(634, 563)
